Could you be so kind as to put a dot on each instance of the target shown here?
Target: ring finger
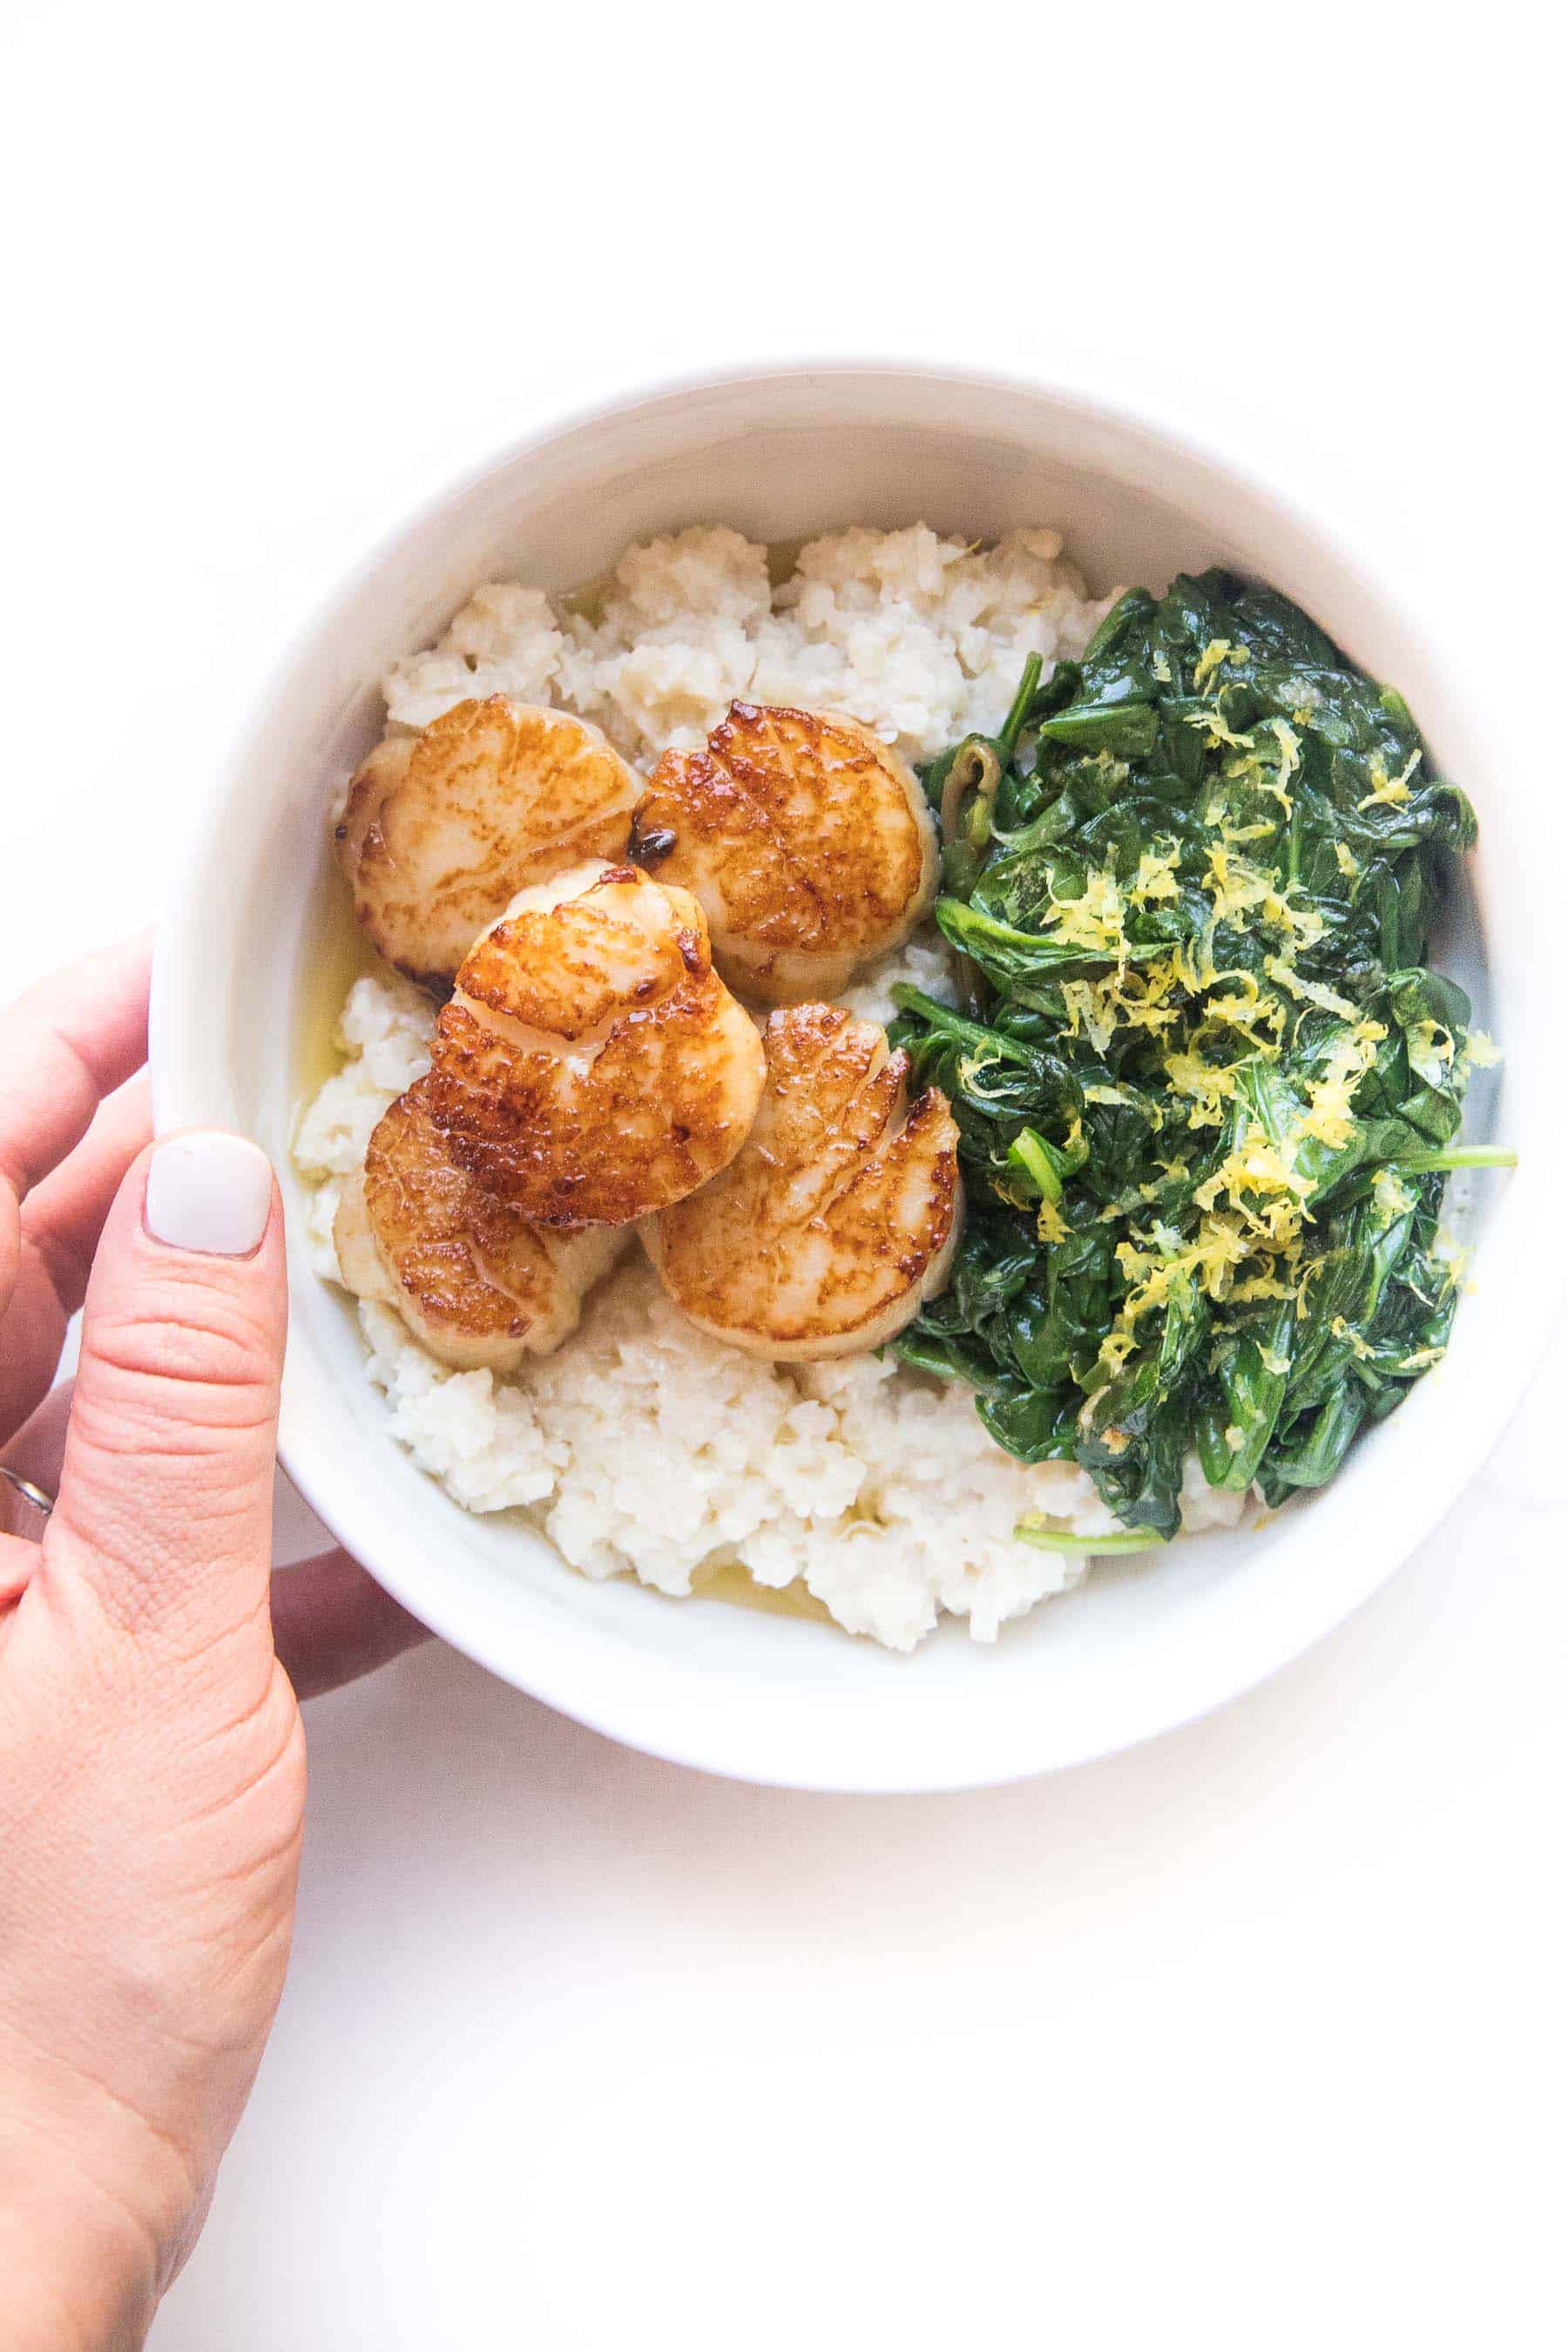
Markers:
(32, 1456)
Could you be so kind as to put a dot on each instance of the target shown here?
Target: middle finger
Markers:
(53, 1238)
(63, 1046)
(63, 1217)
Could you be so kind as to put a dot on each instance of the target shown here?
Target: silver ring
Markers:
(38, 1496)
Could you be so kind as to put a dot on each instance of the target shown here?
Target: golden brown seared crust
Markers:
(807, 840)
(474, 1281)
(443, 828)
(839, 1217)
(591, 1066)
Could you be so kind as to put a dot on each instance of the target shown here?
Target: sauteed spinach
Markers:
(1207, 1088)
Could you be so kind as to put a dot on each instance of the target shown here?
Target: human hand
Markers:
(151, 1755)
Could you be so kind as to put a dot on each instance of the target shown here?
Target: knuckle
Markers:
(203, 1340)
(170, 1388)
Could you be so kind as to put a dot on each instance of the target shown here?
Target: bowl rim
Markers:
(1162, 419)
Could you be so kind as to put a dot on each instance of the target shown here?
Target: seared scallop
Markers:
(442, 829)
(807, 840)
(840, 1215)
(476, 1282)
(591, 1067)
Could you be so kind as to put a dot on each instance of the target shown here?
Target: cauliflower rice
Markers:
(920, 638)
(644, 1445)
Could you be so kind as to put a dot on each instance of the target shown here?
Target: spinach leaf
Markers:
(1208, 1091)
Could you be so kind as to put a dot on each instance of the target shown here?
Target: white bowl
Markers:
(783, 453)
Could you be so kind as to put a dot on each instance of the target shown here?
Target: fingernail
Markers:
(211, 1192)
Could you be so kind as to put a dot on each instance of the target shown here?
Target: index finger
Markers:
(68, 1041)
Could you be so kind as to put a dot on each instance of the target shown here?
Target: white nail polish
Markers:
(211, 1192)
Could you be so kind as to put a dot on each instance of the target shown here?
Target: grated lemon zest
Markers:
(1389, 790)
(1213, 658)
(1328, 1117)
(1308, 992)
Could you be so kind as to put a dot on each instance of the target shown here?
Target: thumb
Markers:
(165, 1516)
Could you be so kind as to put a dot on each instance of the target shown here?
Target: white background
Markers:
(1252, 2037)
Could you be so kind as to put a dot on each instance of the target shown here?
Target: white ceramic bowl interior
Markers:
(249, 954)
